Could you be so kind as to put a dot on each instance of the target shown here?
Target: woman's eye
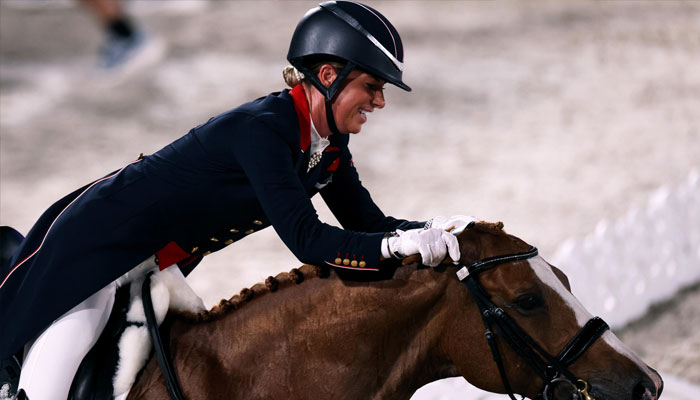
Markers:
(528, 302)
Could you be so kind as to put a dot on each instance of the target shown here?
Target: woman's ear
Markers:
(327, 75)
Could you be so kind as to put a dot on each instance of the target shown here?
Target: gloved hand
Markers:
(432, 245)
(459, 222)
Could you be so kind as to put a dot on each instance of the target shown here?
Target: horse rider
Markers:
(251, 167)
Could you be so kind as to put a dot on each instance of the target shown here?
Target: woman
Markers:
(251, 167)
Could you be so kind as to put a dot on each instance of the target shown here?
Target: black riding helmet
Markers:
(350, 32)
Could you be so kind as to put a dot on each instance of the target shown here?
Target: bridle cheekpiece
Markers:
(552, 370)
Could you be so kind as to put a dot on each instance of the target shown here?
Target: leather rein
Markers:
(171, 382)
(552, 370)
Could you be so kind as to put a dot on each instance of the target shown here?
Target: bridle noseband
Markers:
(552, 370)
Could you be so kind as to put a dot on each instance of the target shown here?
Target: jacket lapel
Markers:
(303, 117)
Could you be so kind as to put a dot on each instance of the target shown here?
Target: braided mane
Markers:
(272, 284)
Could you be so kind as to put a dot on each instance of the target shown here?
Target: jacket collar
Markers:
(301, 106)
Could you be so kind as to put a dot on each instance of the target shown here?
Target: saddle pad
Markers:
(169, 290)
(109, 370)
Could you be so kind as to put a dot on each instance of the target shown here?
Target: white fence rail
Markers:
(646, 256)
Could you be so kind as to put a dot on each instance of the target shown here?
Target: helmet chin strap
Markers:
(330, 118)
(329, 93)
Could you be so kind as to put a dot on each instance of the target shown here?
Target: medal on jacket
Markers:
(314, 159)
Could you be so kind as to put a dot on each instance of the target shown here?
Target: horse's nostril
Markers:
(641, 392)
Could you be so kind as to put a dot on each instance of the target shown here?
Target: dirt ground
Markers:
(548, 116)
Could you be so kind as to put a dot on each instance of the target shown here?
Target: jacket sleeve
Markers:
(269, 166)
(352, 204)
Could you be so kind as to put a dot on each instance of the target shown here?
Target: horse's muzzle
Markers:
(649, 388)
(646, 387)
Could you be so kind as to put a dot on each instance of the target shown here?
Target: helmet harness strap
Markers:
(329, 93)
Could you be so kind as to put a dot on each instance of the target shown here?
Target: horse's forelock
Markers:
(491, 227)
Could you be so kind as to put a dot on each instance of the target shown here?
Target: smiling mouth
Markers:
(363, 113)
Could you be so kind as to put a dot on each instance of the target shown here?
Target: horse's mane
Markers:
(287, 279)
(272, 284)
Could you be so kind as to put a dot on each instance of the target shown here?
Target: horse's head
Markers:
(538, 303)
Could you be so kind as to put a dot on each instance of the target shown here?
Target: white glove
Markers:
(459, 222)
(432, 245)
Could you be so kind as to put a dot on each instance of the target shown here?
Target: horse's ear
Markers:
(469, 246)
(562, 277)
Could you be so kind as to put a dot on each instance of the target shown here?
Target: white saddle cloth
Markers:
(169, 291)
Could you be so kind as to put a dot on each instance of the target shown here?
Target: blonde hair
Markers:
(293, 76)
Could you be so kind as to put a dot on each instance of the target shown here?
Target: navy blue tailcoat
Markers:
(238, 173)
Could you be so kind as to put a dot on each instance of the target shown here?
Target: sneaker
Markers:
(135, 52)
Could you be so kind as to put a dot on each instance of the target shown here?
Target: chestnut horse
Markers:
(308, 334)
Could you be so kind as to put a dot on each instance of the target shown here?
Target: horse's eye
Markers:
(528, 302)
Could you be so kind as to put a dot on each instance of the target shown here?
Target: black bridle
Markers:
(552, 370)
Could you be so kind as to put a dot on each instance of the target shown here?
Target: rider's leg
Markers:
(54, 358)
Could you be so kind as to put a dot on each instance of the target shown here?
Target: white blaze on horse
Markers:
(311, 333)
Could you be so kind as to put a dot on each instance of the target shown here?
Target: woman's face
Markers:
(360, 95)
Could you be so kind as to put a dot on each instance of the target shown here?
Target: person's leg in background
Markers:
(125, 42)
(110, 12)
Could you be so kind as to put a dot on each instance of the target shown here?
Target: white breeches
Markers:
(54, 357)
(52, 360)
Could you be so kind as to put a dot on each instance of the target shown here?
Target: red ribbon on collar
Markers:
(301, 106)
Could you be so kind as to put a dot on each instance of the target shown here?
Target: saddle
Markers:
(112, 366)
(93, 380)
(109, 368)
(94, 377)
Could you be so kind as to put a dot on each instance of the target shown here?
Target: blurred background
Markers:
(577, 124)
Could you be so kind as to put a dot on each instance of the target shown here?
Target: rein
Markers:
(171, 382)
(552, 370)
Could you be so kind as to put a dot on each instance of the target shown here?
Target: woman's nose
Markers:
(378, 99)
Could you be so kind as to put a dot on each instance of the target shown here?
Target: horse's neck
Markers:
(329, 328)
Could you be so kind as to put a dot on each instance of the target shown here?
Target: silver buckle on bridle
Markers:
(578, 393)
